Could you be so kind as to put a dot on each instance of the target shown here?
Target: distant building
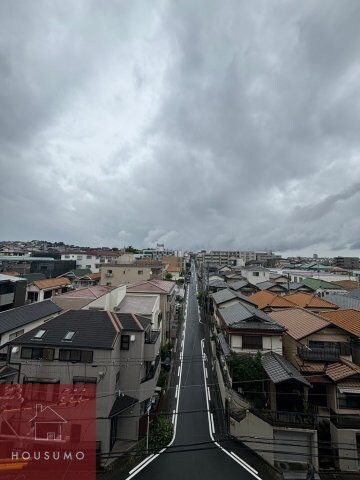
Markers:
(347, 262)
(12, 292)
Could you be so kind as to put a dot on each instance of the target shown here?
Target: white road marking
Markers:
(206, 373)
(141, 463)
(173, 417)
(179, 370)
(243, 461)
(212, 423)
(177, 391)
(209, 396)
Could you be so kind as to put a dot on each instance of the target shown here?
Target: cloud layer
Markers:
(201, 125)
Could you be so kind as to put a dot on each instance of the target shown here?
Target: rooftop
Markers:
(87, 324)
(279, 369)
(141, 304)
(316, 283)
(267, 285)
(266, 299)
(51, 283)
(152, 286)
(246, 317)
(226, 294)
(347, 319)
(307, 300)
(299, 322)
(20, 316)
(92, 293)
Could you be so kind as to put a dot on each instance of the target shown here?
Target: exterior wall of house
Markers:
(244, 431)
(108, 301)
(254, 276)
(346, 442)
(156, 322)
(65, 373)
(85, 261)
(114, 275)
(270, 343)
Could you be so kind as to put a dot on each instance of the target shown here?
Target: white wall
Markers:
(255, 277)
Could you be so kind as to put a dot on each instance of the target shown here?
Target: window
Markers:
(16, 334)
(39, 334)
(88, 266)
(67, 256)
(37, 353)
(88, 257)
(79, 257)
(256, 274)
(252, 342)
(83, 356)
(140, 272)
(69, 336)
(125, 342)
(349, 400)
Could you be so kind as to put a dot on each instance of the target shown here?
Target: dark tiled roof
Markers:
(94, 329)
(279, 369)
(246, 317)
(17, 317)
(225, 295)
(218, 284)
(267, 285)
(241, 284)
(123, 402)
(132, 322)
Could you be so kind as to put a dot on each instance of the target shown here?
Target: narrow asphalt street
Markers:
(194, 451)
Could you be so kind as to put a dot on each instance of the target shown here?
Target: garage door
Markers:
(292, 446)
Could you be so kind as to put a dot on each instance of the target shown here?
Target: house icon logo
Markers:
(47, 424)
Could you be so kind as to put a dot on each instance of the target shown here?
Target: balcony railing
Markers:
(324, 354)
(287, 419)
(153, 370)
(344, 420)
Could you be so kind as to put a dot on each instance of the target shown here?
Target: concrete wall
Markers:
(345, 441)
(115, 275)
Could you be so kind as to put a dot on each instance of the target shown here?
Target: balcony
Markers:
(344, 421)
(322, 354)
(6, 299)
(287, 419)
(152, 346)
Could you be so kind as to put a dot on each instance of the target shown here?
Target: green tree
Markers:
(168, 276)
(247, 372)
(131, 249)
(201, 296)
(161, 433)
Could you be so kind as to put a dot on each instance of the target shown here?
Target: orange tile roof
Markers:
(348, 284)
(266, 299)
(337, 371)
(347, 319)
(11, 274)
(299, 322)
(51, 283)
(307, 300)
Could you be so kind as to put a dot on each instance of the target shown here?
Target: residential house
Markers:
(268, 301)
(248, 330)
(277, 288)
(12, 292)
(256, 274)
(17, 321)
(244, 287)
(123, 362)
(215, 285)
(90, 260)
(322, 288)
(226, 298)
(348, 285)
(147, 306)
(167, 292)
(115, 274)
(310, 302)
(286, 431)
(321, 351)
(95, 296)
(40, 290)
(82, 277)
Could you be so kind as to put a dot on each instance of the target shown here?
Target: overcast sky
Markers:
(198, 124)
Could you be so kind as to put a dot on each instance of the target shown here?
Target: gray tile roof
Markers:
(344, 301)
(225, 295)
(132, 322)
(279, 369)
(141, 304)
(218, 284)
(355, 293)
(240, 284)
(267, 285)
(94, 329)
(246, 317)
(20, 316)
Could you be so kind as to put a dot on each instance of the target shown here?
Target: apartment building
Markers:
(114, 274)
